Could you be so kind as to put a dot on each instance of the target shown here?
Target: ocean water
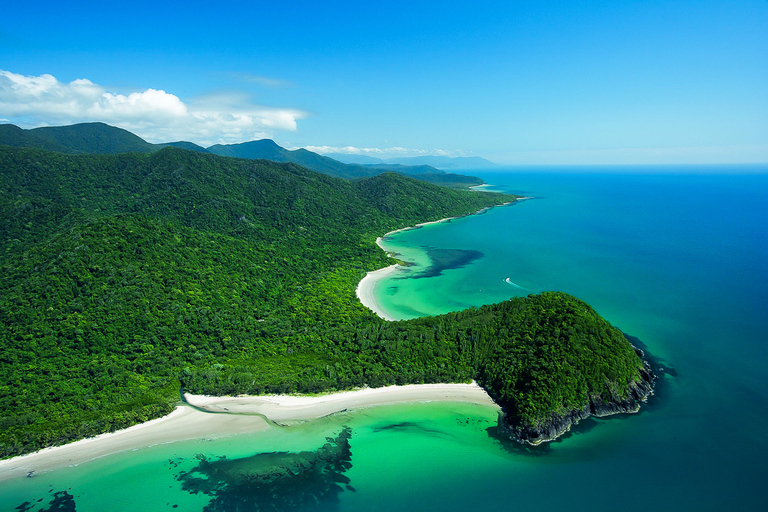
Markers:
(677, 258)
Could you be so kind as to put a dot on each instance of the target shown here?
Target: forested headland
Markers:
(126, 276)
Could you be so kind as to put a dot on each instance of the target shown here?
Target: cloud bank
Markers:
(395, 151)
(153, 114)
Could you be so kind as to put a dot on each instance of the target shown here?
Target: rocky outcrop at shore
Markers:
(638, 392)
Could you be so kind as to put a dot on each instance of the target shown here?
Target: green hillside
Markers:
(125, 276)
(185, 145)
(100, 138)
(268, 150)
(78, 138)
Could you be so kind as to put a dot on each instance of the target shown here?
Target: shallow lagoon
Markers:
(679, 261)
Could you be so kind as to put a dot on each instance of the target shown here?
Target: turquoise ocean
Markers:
(675, 257)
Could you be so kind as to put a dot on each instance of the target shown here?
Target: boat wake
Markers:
(509, 281)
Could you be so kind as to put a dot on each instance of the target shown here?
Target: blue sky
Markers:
(517, 82)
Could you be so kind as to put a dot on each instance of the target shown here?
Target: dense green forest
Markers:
(100, 138)
(124, 277)
(77, 138)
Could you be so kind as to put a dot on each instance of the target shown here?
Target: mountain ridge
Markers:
(101, 138)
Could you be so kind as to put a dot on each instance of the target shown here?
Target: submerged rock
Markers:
(274, 481)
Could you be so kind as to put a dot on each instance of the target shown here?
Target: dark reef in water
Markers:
(446, 259)
(406, 426)
(278, 481)
(62, 502)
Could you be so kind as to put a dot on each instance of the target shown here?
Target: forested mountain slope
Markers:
(77, 138)
(125, 276)
(100, 138)
(118, 271)
(269, 150)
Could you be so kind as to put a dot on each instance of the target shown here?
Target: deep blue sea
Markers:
(676, 257)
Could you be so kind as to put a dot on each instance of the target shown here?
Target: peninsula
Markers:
(540, 367)
(126, 276)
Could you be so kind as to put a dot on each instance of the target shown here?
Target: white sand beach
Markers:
(282, 408)
(183, 423)
(243, 416)
(365, 288)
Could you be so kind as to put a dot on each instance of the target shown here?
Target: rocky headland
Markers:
(638, 392)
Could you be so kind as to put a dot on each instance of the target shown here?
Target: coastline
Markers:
(288, 408)
(237, 415)
(365, 288)
(232, 416)
(182, 424)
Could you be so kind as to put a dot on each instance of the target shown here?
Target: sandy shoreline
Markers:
(241, 414)
(244, 414)
(365, 288)
(282, 408)
(182, 424)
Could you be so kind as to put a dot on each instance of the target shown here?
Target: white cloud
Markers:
(395, 151)
(347, 150)
(153, 114)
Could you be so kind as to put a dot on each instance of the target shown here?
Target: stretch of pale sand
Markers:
(281, 408)
(365, 292)
(182, 424)
(245, 414)
(365, 288)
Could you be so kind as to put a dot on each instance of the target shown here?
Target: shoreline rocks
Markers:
(638, 392)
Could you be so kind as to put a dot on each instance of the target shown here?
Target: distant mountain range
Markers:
(267, 149)
(100, 138)
(438, 162)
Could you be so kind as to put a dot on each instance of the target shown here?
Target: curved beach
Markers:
(280, 408)
(182, 424)
(234, 415)
(365, 288)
